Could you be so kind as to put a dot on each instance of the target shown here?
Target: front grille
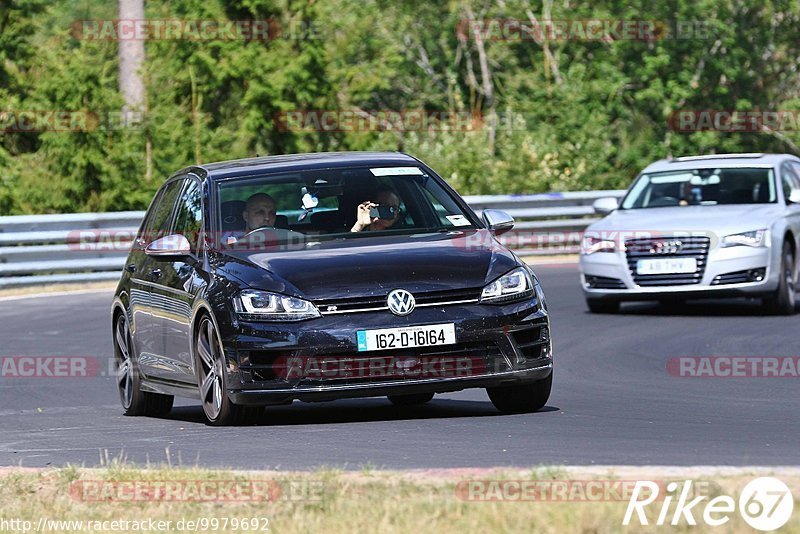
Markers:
(604, 282)
(646, 248)
(429, 298)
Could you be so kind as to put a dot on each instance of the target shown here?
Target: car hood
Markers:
(372, 266)
(718, 220)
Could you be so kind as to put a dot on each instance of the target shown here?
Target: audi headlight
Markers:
(515, 285)
(592, 244)
(756, 238)
(254, 305)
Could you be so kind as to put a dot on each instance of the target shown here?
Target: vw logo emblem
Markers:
(400, 302)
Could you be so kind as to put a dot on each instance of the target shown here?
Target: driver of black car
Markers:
(259, 212)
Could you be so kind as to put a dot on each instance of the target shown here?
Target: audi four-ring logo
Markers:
(400, 302)
(666, 247)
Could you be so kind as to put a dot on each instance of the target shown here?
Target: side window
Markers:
(789, 179)
(162, 217)
(145, 231)
(189, 217)
(796, 171)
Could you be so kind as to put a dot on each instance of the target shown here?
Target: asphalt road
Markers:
(613, 401)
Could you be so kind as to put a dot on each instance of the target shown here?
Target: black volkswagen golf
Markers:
(317, 277)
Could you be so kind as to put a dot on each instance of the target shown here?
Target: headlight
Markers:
(263, 306)
(756, 238)
(591, 244)
(515, 285)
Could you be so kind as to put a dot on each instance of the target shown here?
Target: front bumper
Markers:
(508, 344)
(719, 263)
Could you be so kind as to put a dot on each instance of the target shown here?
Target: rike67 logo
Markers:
(765, 504)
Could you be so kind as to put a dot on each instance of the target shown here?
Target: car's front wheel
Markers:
(212, 380)
(782, 302)
(134, 400)
(522, 399)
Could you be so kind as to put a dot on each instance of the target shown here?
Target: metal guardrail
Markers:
(45, 249)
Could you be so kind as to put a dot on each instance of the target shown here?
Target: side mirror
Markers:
(604, 206)
(499, 222)
(794, 196)
(173, 247)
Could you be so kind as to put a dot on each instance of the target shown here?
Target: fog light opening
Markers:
(756, 275)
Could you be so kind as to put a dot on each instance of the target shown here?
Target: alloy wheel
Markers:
(210, 370)
(122, 338)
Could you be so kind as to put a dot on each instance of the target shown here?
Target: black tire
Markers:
(212, 380)
(602, 305)
(522, 399)
(128, 377)
(782, 302)
(410, 400)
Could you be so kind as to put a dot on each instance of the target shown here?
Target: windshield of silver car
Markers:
(702, 187)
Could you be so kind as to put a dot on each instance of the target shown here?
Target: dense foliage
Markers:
(570, 114)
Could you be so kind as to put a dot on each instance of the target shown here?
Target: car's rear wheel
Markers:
(410, 400)
(212, 380)
(602, 305)
(522, 399)
(782, 302)
(134, 400)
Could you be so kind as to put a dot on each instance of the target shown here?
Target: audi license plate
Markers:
(406, 337)
(666, 266)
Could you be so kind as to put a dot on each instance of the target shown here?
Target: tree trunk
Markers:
(131, 63)
(131, 58)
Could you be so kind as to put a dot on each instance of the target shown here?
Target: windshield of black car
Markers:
(310, 206)
(702, 187)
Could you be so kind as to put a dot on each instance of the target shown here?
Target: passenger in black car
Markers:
(365, 222)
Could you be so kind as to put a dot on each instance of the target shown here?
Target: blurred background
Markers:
(544, 100)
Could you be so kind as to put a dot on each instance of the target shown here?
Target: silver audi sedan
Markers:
(698, 227)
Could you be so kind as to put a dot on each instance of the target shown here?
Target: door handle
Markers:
(156, 274)
(131, 267)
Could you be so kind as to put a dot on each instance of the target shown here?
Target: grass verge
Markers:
(329, 500)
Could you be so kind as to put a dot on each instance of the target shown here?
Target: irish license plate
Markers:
(406, 337)
(667, 266)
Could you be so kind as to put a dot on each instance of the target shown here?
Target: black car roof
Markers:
(317, 160)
